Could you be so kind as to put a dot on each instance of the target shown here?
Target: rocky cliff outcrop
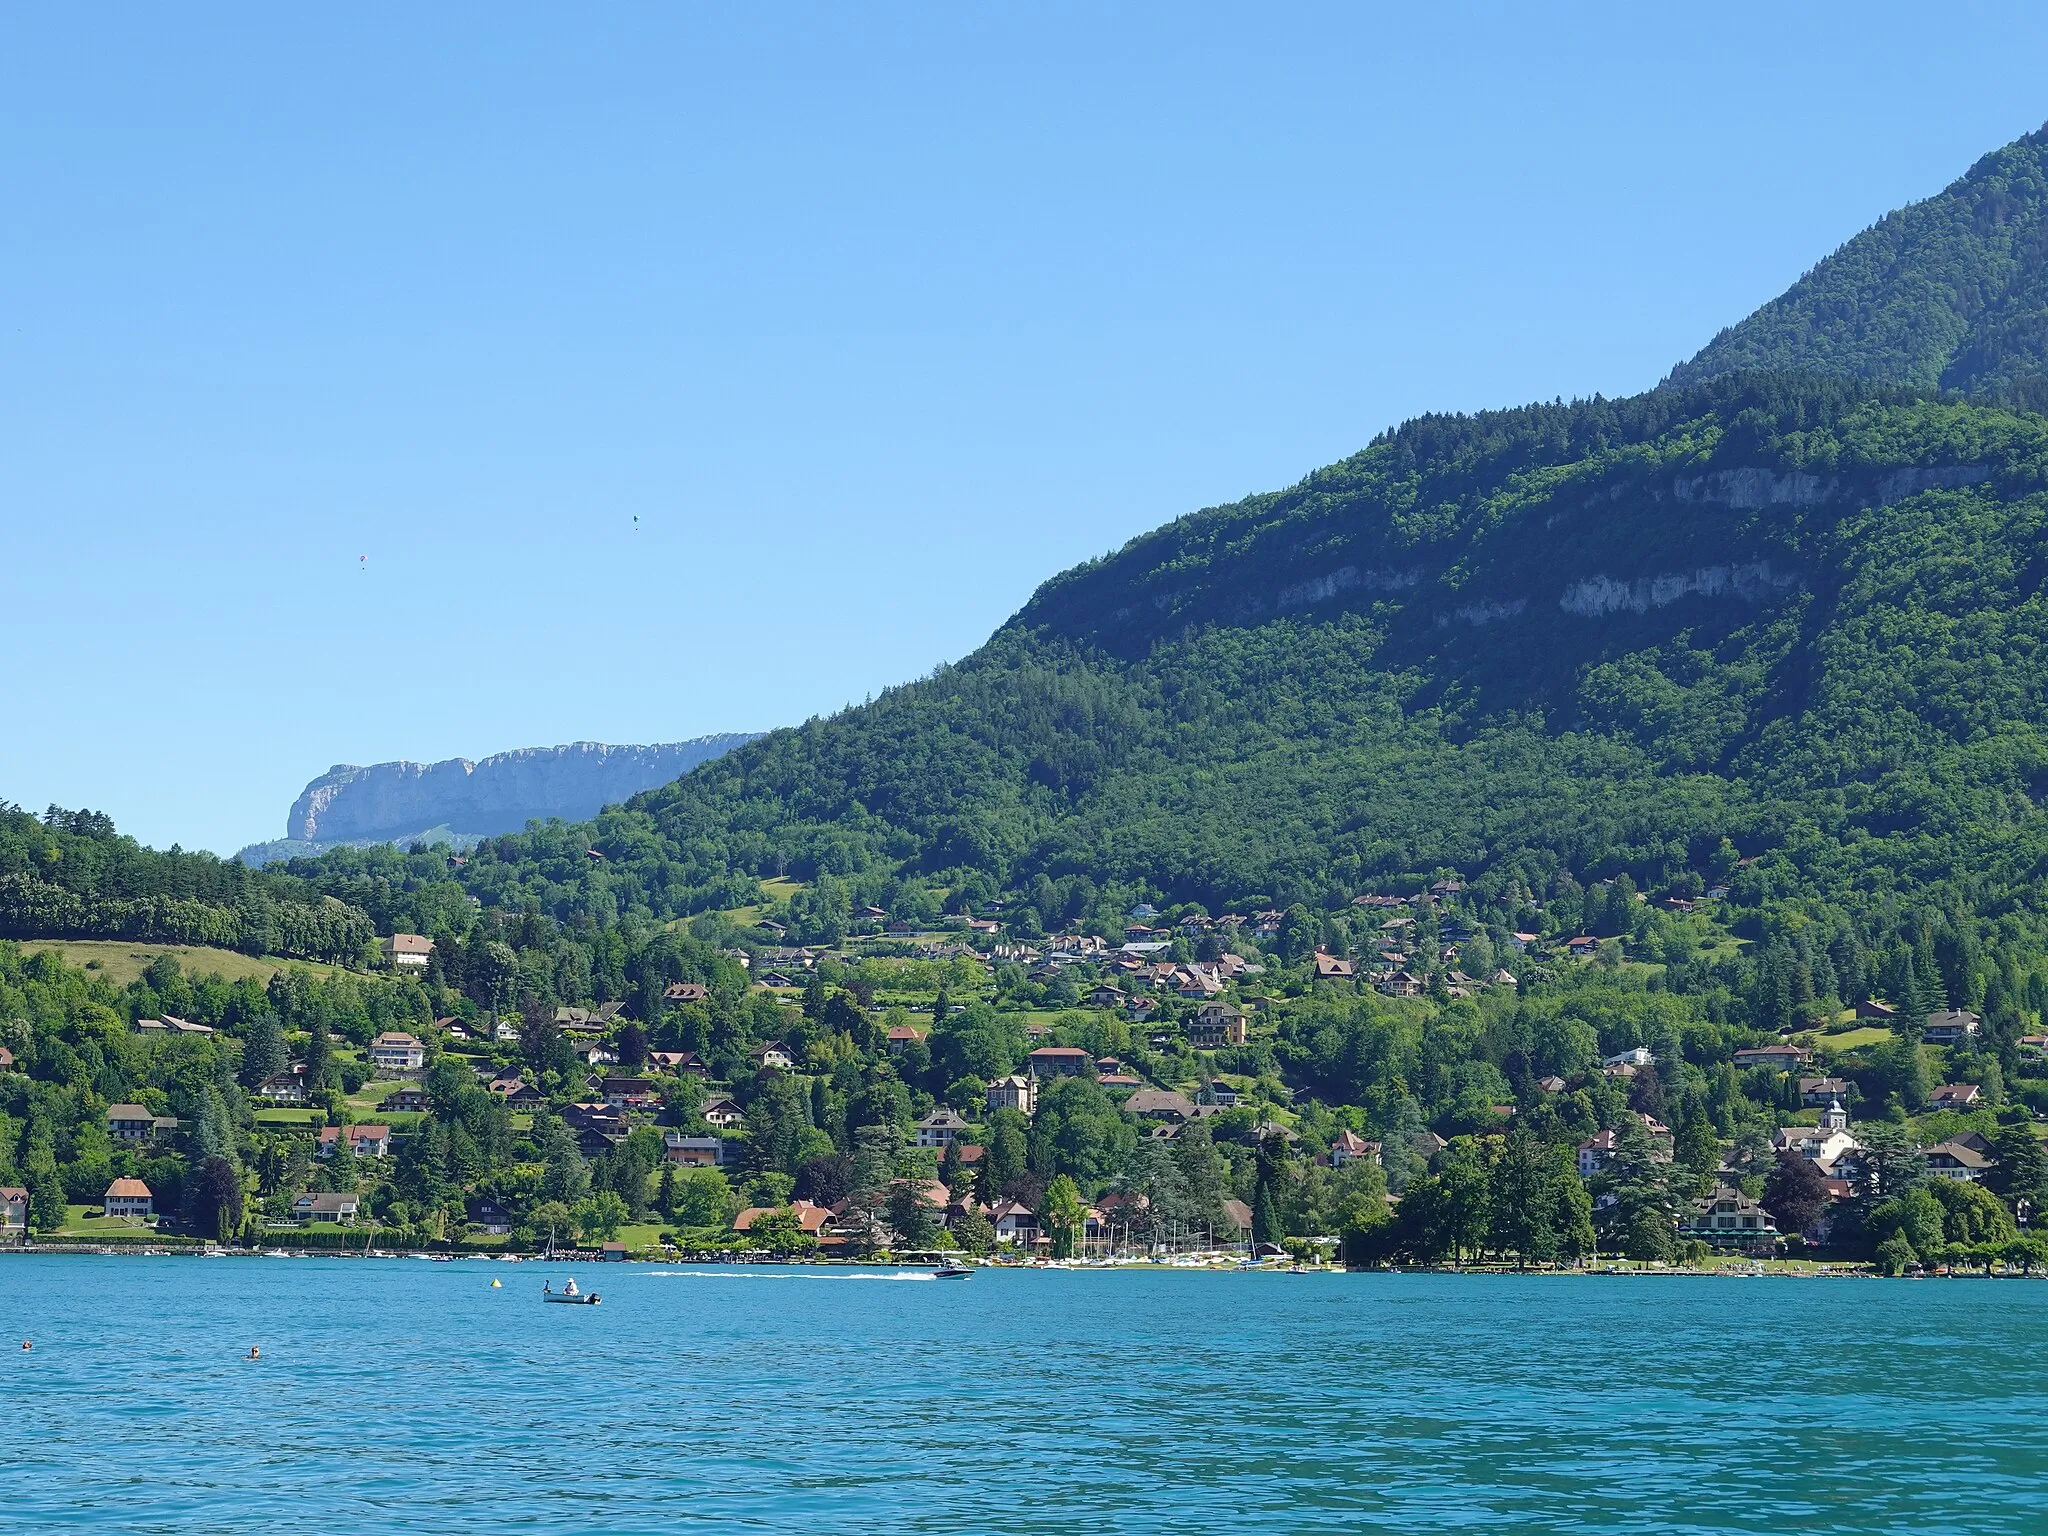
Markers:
(497, 794)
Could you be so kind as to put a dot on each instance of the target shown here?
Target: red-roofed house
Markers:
(363, 1140)
(129, 1198)
(810, 1219)
(1350, 1147)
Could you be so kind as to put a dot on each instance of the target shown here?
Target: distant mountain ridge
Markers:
(464, 800)
(1948, 293)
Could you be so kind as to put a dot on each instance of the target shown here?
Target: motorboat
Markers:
(952, 1269)
(569, 1295)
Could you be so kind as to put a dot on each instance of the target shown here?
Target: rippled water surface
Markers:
(400, 1394)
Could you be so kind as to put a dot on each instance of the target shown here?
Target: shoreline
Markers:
(1624, 1269)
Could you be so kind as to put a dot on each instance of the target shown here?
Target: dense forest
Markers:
(1949, 293)
(69, 874)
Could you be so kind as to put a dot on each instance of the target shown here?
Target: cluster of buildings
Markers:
(1730, 1218)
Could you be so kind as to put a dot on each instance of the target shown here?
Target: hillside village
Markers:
(1434, 1074)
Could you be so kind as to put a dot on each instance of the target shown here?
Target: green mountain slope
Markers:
(1802, 616)
(1949, 293)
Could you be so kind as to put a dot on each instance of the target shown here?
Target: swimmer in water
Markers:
(255, 1353)
(25, 1344)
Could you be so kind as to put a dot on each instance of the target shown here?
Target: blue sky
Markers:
(341, 347)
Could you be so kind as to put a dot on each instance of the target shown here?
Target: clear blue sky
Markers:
(875, 317)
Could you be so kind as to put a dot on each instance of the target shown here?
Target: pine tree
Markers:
(263, 1050)
(1266, 1227)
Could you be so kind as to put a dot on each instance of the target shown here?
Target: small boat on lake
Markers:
(952, 1270)
(569, 1295)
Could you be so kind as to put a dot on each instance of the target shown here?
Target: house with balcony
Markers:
(396, 1051)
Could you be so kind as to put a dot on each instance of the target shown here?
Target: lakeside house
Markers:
(407, 951)
(902, 1036)
(1958, 1160)
(339, 1209)
(1824, 1145)
(941, 1128)
(1350, 1147)
(130, 1199)
(14, 1203)
(630, 1092)
(1595, 1153)
(1059, 1061)
(811, 1219)
(1013, 1092)
(1161, 1104)
(1819, 1092)
(286, 1087)
(1956, 1096)
(1776, 1058)
(723, 1115)
(1730, 1218)
(169, 1024)
(362, 1140)
(1215, 1026)
(515, 1091)
(1950, 1027)
(700, 1151)
(1333, 968)
(1014, 1222)
(130, 1123)
(396, 1051)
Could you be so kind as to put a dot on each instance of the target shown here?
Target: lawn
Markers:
(291, 1117)
(103, 1228)
(646, 1236)
(122, 963)
(1851, 1039)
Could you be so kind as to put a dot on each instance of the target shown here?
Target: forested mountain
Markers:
(1949, 293)
(1802, 616)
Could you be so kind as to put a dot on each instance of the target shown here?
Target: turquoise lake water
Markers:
(403, 1395)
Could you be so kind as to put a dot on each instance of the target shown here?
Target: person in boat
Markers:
(570, 1289)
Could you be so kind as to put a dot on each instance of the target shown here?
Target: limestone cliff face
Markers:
(497, 794)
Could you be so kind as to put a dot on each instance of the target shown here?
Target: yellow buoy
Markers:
(497, 1285)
